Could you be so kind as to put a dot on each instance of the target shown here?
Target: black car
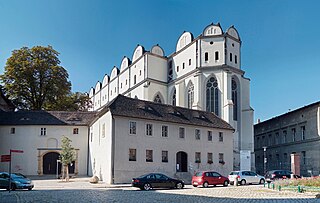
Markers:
(156, 180)
(279, 174)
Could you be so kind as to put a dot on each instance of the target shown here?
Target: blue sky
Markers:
(280, 39)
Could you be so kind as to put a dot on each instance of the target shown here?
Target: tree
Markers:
(67, 156)
(33, 78)
(72, 102)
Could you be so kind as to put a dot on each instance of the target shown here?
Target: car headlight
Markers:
(18, 182)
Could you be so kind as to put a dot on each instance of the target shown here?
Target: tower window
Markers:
(235, 59)
(231, 57)
(212, 96)
(134, 79)
(216, 55)
(206, 56)
(189, 62)
(177, 68)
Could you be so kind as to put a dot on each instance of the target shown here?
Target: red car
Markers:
(206, 178)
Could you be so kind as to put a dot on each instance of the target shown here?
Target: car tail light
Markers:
(238, 177)
(136, 181)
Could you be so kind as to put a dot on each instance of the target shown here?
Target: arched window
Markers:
(190, 95)
(212, 96)
(173, 98)
(234, 99)
(157, 99)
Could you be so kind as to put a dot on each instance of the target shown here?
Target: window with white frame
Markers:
(164, 131)
(149, 155)
(197, 134)
(212, 96)
(13, 131)
(221, 158)
(181, 133)
(190, 95)
(43, 131)
(164, 156)
(220, 136)
(210, 160)
(75, 131)
(209, 135)
(132, 155)
(149, 129)
(198, 157)
(133, 127)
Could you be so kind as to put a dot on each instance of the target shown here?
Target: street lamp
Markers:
(58, 161)
(265, 159)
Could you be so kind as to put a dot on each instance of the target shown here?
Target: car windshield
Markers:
(234, 173)
(19, 175)
(199, 174)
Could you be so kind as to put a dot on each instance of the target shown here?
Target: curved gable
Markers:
(124, 63)
(233, 32)
(114, 72)
(156, 49)
(98, 86)
(138, 52)
(212, 29)
(184, 40)
(91, 93)
(106, 80)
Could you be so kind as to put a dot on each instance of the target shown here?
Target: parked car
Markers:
(279, 174)
(18, 181)
(245, 177)
(206, 178)
(156, 180)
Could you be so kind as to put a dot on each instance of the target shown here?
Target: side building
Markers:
(295, 132)
(38, 134)
(131, 137)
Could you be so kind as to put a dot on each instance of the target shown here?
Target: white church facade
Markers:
(202, 74)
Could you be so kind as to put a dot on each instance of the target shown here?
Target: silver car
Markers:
(18, 181)
(245, 177)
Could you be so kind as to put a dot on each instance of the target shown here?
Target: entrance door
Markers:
(50, 163)
(182, 162)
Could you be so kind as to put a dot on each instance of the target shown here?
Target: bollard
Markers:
(264, 184)
(268, 185)
(273, 186)
(299, 189)
(279, 188)
(236, 182)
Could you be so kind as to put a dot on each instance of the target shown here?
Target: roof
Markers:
(288, 113)
(46, 118)
(135, 108)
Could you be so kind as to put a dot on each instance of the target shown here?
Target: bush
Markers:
(311, 182)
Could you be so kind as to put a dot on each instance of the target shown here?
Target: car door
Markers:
(254, 177)
(162, 181)
(152, 180)
(216, 178)
(208, 178)
(4, 180)
(245, 175)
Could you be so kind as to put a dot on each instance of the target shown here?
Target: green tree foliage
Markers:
(72, 102)
(33, 78)
(67, 155)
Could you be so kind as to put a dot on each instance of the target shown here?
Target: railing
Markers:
(299, 188)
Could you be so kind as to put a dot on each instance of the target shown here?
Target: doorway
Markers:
(182, 162)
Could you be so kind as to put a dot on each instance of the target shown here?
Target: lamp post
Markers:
(265, 159)
(58, 161)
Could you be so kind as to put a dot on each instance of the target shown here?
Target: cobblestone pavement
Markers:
(80, 190)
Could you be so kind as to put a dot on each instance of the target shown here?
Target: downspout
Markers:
(88, 151)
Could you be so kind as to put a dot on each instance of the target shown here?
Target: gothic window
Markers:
(173, 98)
(157, 99)
(212, 97)
(190, 95)
(234, 99)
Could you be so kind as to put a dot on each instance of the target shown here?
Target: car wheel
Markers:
(179, 185)
(243, 182)
(13, 187)
(195, 185)
(262, 181)
(205, 184)
(225, 183)
(147, 186)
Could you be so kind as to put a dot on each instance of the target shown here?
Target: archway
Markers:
(182, 162)
(49, 163)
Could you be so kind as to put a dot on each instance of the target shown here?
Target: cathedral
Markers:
(204, 73)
